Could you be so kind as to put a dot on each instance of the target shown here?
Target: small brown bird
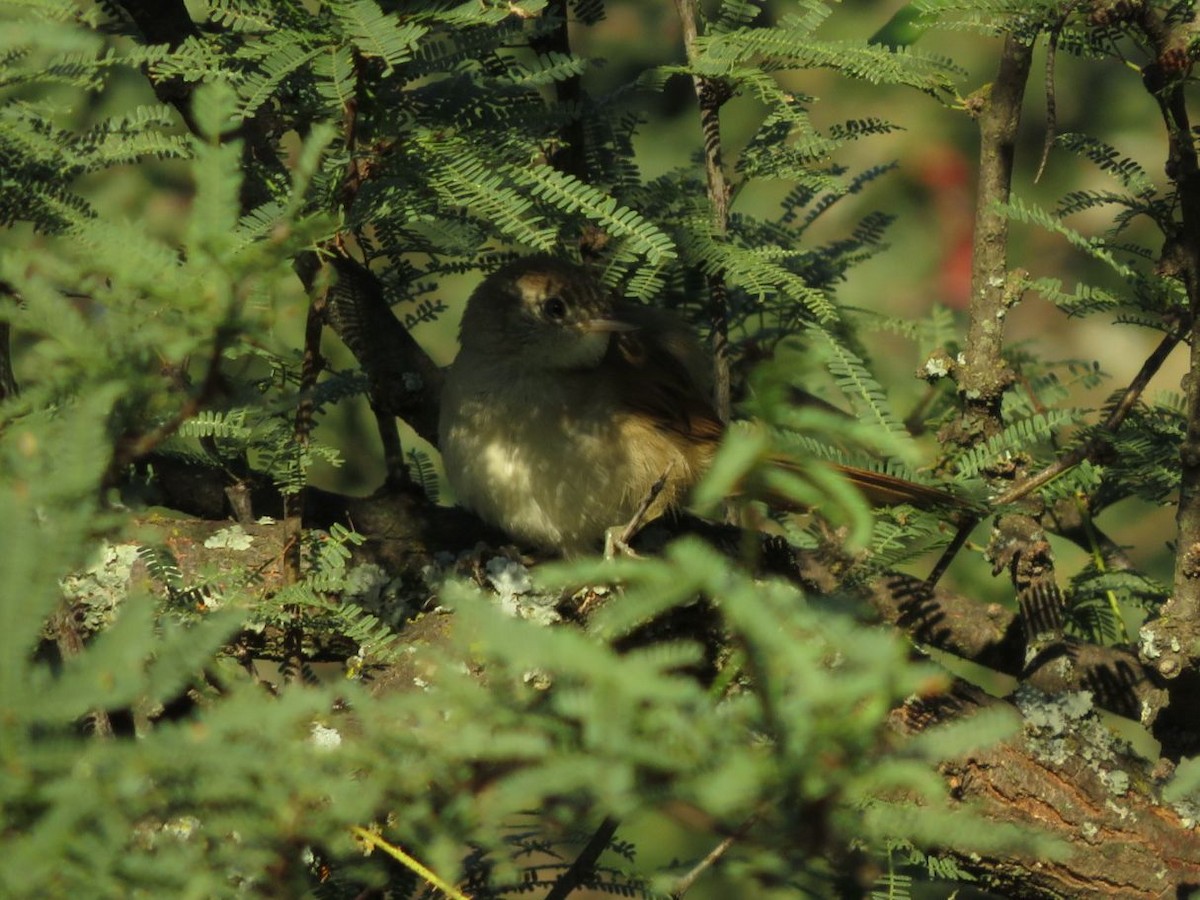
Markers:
(565, 406)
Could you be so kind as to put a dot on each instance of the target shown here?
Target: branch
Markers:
(988, 634)
(1089, 450)
(168, 22)
(584, 864)
(1072, 781)
(984, 374)
(1171, 641)
(8, 381)
(402, 530)
(1051, 101)
(568, 92)
(130, 448)
(293, 502)
(690, 877)
(404, 381)
(1097, 445)
(995, 636)
(711, 93)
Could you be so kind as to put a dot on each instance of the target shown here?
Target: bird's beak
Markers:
(606, 326)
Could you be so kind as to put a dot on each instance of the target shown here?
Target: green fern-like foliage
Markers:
(170, 186)
(420, 466)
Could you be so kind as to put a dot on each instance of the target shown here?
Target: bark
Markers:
(1067, 776)
(1171, 642)
(984, 375)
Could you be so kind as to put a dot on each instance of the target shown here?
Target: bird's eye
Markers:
(554, 308)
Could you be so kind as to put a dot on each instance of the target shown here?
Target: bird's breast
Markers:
(551, 461)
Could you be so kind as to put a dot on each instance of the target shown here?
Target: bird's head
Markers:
(543, 312)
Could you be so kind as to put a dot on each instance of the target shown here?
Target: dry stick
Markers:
(389, 432)
(134, 447)
(1069, 460)
(684, 884)
(1051, 103)
(293, 502)
(711, 93)
(639, 515)
(689, 878)
(585, 862)
(568, 92)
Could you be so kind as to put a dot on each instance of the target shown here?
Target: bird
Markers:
(568, 410)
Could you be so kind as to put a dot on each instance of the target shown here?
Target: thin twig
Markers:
(310, 369)
(8, 382)
(1098, 542)
(293, 501)
(689, 878)
(635, 522)
(1051, 102)
(684, 884)
(1115, 419)
(957, 542)
(132, 448)
(585, 862)
(409, 862)
(397, 473)
(1067, 461)
(568, 92)
(711, 94)
(352, 181)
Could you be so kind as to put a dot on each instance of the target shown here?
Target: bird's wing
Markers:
(664, 373)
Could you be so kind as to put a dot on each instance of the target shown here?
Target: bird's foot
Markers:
(616, 541)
